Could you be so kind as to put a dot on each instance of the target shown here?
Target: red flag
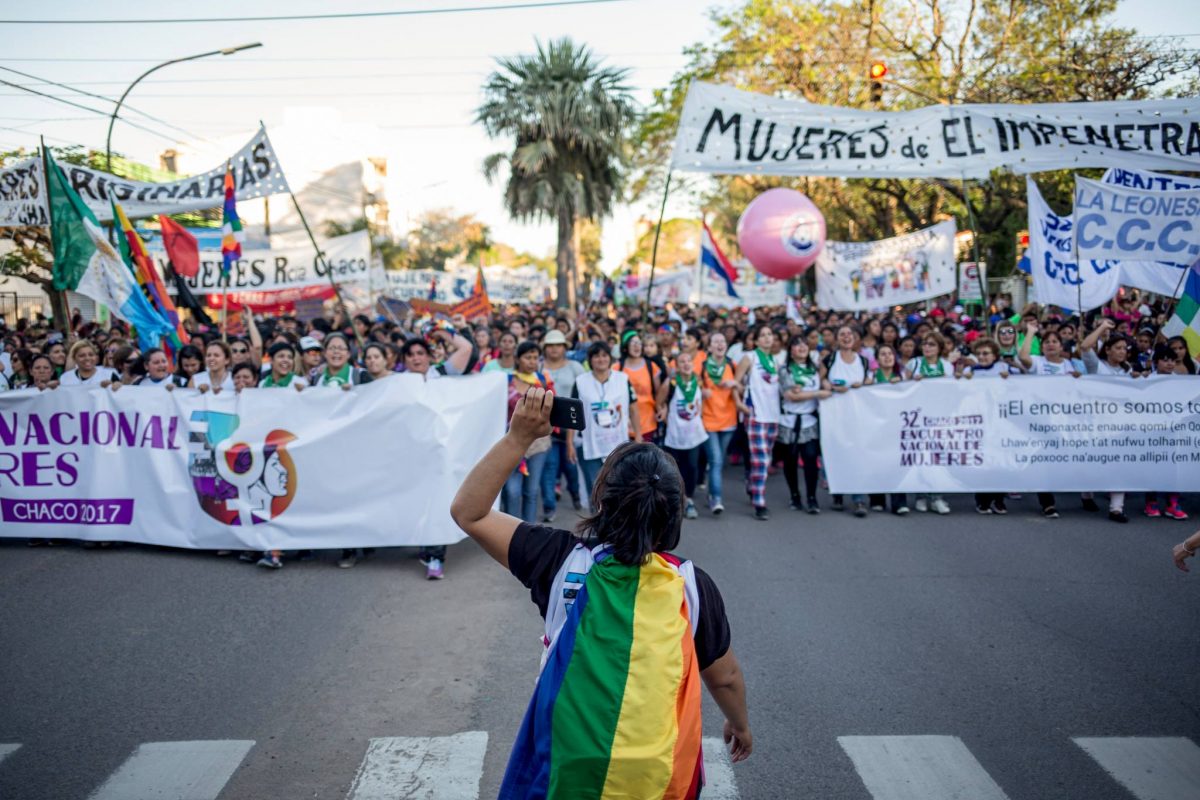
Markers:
(181, 247)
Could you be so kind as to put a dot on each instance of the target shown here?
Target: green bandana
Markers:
(880, 377)
(936, 370)
(765, 361)
(339, 378)
(688, 391)
(270, 381)
(715, 369)
(800, 373)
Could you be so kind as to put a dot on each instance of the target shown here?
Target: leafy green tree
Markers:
(441, 235)
(568, 117)
(970, 51)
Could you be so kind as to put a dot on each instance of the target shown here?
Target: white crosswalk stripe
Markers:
(1150, 768)
(175, 771)
(718, 771)
(422, 768)
(7, 750)
(919, 768)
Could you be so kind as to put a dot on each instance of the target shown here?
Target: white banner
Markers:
(256, 173)
(1058, 280)
(1126, 224)
(754, 289)
(972, 282)
(504, 285)
(1160, 277)
(1024, 434)
(263, 469)
(725, 130)
(348, 258)
(858, 276)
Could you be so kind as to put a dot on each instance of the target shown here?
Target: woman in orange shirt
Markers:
(722, 402)
(648, 381)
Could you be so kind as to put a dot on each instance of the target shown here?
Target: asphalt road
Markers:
(1010, 637)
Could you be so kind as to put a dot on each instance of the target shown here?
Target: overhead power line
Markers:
(412, 12)
(86, 93)
(72, 103)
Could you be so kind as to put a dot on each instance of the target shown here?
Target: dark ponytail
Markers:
(637, 503)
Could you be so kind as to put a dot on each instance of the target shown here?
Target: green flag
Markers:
(69, 215)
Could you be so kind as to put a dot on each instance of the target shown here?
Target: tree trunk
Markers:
(566, 259)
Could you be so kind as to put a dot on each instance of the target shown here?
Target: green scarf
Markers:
(339, 378)
(765, 361)
(800, 373)
(927, 371)
(689, 391)
(715, 370)
(269, 381)
(881, 378)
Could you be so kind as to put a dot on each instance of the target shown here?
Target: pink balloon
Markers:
(781, 232)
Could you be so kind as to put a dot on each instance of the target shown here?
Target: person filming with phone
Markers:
(620, 610)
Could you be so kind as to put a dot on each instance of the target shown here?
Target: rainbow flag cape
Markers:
(231, 226)
(137, 258)
(616, 711)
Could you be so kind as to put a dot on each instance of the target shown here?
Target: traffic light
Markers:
(877, 73)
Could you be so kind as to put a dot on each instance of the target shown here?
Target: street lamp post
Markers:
(112, 119)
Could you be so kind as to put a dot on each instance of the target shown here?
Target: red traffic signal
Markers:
(878, 70)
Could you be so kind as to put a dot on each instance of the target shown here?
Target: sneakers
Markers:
(877, 507)
(1152, 510)
(998, 506)
(941, 506)
(433, 570)
(922, 505)
(1175, 512)
(983, 509)
(1090, 505)
(270, 561)
(813, 507)
(576, 504)
(901, 511)
(349, 559)
(761, 514)
(1050, 512)
(248, 556)
(548, 517)
(796, 504)
(690, 512)
(718, 508)
(837, 505)
(1118, 516)
(860, 509)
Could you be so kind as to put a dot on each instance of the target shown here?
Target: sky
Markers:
(412, 81)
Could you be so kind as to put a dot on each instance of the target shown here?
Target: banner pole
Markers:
(225, 312)
(657, 232)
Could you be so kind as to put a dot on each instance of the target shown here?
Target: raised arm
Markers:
(472, 507)
(461, 356)
(1025, 356)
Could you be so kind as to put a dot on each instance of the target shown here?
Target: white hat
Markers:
(308, 343)
(554, 337)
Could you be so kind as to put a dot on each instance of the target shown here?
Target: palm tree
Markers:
(568, 116)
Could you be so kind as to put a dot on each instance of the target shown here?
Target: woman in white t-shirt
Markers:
(760, 374)
(216, 376)
(85, 357)
(846, 369)
(987, 366)
(610, 408)
(685, 426)
(931, 363)
(1105, 354)
(1052, 361)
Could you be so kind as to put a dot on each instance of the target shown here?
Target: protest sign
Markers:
(972, 278)
(504, 284)
(1128, 224)
(348, 259)
(256, 173)
(857, 276)
(257, 470)
(1024, 434)
(726, 130)
(1058, 280)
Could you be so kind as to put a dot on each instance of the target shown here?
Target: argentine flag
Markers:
(712, 257)
(85, 262)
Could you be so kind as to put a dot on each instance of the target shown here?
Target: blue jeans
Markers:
(591, 468)
(715, 447)
(557, 464)
(521, 491)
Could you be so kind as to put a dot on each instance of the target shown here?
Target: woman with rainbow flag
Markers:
(630, 629)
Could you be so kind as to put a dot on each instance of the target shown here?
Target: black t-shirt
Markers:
(537, 552)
